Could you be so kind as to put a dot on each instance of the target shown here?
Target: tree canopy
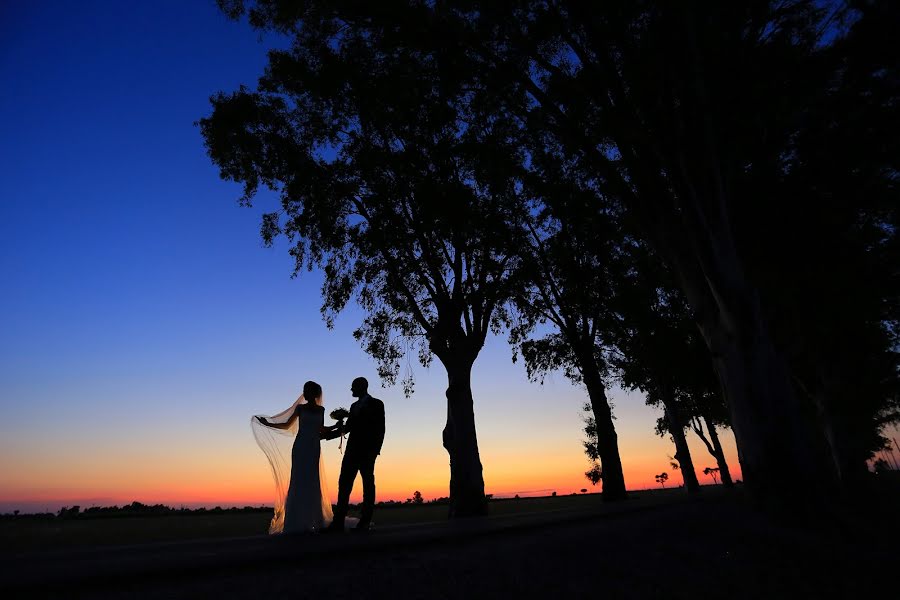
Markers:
(408, 210)
(441, 160)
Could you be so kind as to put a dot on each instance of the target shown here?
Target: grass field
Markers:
(27, 535)
(656, 545)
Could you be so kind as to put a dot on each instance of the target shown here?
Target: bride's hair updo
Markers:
(311, 391)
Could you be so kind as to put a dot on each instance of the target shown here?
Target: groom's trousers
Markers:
(364, 464)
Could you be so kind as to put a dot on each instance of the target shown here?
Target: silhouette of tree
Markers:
(595, 473)
(881, 466)
(409, 216)
(662, 478)
(835, 196)
(751, 145)
(712, 472)
(702, 415)
(565, 281)
(690, 115)
(417, 497)
(663, 102)
(660, 352)
(650, 339)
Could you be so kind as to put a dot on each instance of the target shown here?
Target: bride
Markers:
(305, 506)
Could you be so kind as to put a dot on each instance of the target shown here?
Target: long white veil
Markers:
(277, 444)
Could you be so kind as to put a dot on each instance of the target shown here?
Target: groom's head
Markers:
(359, 387)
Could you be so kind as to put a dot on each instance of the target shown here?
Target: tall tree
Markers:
(392, 183)
(565, 281)
(828, 272)
(674, 106)
(702, 120)
(702, 417)
(650, 340)
(661, 353)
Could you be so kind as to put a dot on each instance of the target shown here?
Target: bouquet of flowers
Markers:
(340, 414)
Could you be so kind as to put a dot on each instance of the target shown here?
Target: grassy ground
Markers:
(665, 544)
(26, 535)
(712, 546)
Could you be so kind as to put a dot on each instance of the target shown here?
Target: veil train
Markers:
(277, 445)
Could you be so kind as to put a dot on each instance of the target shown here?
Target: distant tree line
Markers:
(694, 200)
(138, 509)
(135, 509)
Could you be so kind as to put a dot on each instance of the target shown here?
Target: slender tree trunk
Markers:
(783, 455)
(849, 462)
(607, 439)
(466, 478)
(780, 452)
(718, 453)
(682, 452)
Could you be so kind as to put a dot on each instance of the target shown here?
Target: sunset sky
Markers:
(144, 322)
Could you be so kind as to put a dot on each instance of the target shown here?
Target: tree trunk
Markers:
(466, 478)
(849, 461)
(607, 439)
(718, 453)
(682, 452)
(780, 453)
(783, 456)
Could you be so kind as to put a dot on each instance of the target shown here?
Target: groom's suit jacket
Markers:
(366, 427)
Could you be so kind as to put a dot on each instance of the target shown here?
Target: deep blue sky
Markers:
(143, 322)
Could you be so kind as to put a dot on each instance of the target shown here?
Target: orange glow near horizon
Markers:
(252, 485)
(204, 461)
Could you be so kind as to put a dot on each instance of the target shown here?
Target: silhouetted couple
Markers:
(306, 505)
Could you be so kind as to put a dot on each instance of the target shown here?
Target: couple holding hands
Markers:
(306, 506)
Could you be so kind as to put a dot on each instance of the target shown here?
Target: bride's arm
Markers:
(285, 425)
(289, 423)
(276, 425)
(329, 432)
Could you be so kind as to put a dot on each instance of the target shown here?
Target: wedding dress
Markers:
(302, 501)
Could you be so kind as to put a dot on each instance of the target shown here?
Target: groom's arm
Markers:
(348, 423)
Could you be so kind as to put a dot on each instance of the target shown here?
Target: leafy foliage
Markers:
(655, 186)
(595, 473)
(406, 216)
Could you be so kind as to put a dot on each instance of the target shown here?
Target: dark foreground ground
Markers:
(29, 534)
(661, 546)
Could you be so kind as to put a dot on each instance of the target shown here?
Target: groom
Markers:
(366, 428)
